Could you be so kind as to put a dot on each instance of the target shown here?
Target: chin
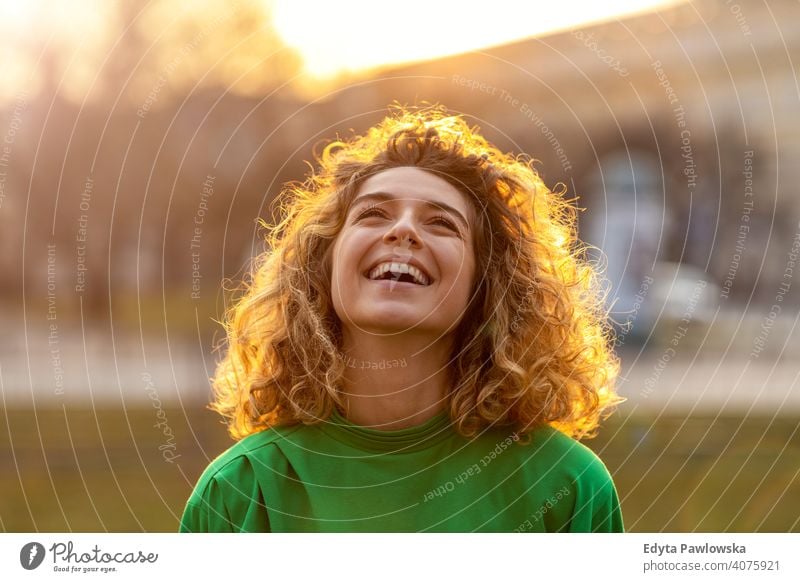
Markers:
(394, 323)
(393, 320)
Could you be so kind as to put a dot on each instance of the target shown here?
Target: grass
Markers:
(101, 470)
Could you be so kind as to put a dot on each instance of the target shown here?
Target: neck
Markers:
(394, 382)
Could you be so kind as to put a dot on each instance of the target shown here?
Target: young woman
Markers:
(417, 351)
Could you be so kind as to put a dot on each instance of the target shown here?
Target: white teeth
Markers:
(399, 268)
(417, 274)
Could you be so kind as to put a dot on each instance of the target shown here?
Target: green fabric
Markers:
(336, 476)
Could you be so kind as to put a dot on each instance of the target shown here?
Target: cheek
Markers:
(346, 256)
(469, 274)
(466, 258)
(340, 254)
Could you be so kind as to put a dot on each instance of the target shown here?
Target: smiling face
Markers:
(420, 225)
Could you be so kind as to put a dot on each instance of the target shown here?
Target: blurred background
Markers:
(140, 143)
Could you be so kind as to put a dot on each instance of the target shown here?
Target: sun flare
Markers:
(350, 36)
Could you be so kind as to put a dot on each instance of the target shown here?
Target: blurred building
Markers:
(690, 101)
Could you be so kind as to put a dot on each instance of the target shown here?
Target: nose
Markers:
(403, 230)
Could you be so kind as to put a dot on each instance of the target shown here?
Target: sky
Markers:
(352, 36)
(75, 42)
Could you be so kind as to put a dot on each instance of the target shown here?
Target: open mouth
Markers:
(399, 273)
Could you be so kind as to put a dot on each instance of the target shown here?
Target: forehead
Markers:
(415, 184)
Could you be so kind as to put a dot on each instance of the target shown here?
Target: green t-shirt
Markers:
(336, 476)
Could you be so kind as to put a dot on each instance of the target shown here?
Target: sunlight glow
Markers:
(74, 32)
(62, 22)
(350, 36)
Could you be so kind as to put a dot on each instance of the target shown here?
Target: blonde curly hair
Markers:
(535, 346)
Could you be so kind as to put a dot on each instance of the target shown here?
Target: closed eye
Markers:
(447, 222)
(441, 219)
(372, 210)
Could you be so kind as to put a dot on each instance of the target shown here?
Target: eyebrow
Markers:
(383, 196)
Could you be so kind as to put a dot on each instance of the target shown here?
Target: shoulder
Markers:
(567, 456)
(235, 462)
(574, 472)
(228, 494)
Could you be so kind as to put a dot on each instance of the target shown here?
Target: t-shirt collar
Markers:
(403, 440)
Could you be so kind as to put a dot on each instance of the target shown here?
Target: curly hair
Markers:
(535, 346)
